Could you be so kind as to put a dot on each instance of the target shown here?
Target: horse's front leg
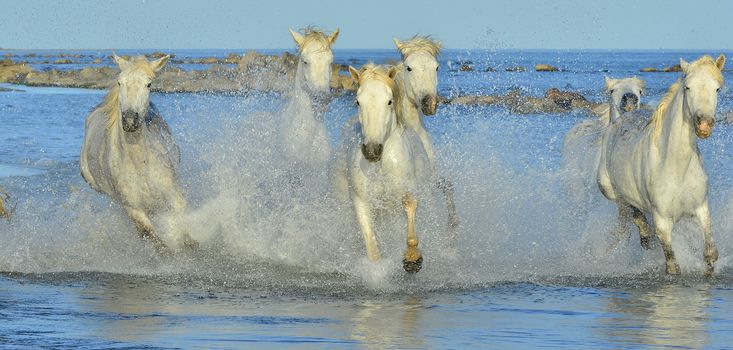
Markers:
(366, 222)
(178, 209)
(413, 258)
(711, 252)
(663, 226)
(446, 186)
(145, 229)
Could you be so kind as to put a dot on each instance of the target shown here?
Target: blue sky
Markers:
(558, 24)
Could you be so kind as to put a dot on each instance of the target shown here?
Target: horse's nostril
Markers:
(372, 152)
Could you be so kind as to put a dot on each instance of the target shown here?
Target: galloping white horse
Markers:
(385, 163)
(129, 153)
(582, 143)
(655, 167)
(417, 77)
(304, 136)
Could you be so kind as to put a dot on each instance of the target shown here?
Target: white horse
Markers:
(129, 153)
(304, 136)
(582, 143)
(385, 161)
(417, 77)
(655, 167)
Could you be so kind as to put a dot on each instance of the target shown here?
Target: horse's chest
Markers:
(141, 180)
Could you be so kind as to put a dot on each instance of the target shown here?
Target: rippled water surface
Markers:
(282, 262)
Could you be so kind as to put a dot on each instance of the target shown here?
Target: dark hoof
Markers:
(190, 243)
(646, 242)
(710, 271)
(412, 266)
(673, 269)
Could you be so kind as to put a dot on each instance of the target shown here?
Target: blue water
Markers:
(285, 267)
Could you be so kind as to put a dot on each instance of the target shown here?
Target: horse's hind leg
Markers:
(413, 258)
(644, 228)
(620, 231)
(446, 186)
(663, 227)
(145, 228)
(711, 252)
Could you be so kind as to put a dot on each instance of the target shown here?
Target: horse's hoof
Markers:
(412, 266)
(646, 242)
(673, 269)
(190, 243)
(709, 272)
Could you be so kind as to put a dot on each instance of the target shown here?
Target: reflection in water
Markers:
(378, 325)
(668, 315)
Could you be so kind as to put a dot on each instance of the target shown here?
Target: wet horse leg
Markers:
(644, 228)
(145, 229)
(711, 252)
(412, 261)
(366, 221)
(446, 186)
(663, 226)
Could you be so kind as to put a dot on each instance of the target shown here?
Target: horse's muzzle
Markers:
(131, 121)
(372, 151)
(429, 104)
(704, 126)
(629, 102)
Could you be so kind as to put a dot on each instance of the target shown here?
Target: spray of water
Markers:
(264, 221)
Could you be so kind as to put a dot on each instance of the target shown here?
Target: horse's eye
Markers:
(357, 103)
(717, 90)
(305, 63)
(119, 84)
(409, 69)
(389, 103)
(611, 91)
(687, 87)
(149, 84)
(436, 68)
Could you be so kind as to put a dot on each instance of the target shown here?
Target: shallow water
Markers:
(282, 263)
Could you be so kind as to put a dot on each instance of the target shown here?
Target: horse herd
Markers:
(647, 165)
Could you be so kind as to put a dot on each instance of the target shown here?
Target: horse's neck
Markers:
(677, 143)
(410, 114)
(301, 104)
(613, 111)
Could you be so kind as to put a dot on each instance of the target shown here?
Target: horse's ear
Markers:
(354, 74)
(299, 38)
(397, 43)
(392, 72)
(720, 62)
(641, 83)
(159, 63)
(332, 38)
(684, 65)
(609, 82)
(121, 62)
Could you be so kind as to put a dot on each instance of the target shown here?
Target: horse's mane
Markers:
(418, 43)
(312, 34)
(371, 71)
(705, 62)
(111, 104)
